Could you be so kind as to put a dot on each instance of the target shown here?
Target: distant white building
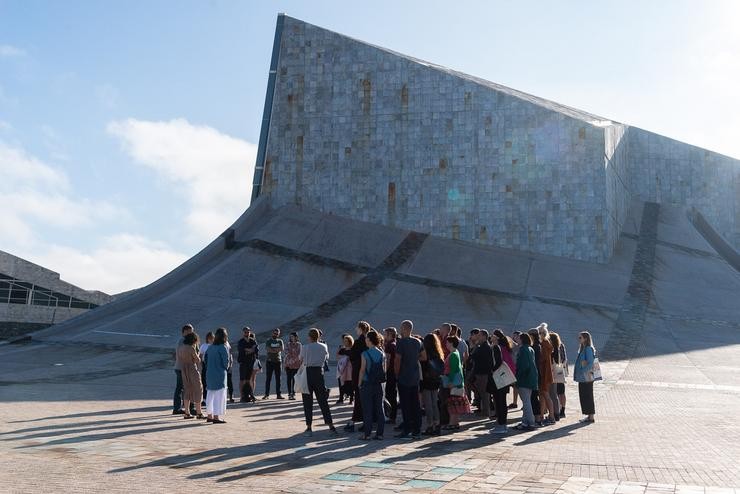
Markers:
(33, 297)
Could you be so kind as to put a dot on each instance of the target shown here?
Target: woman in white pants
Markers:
(217, 365)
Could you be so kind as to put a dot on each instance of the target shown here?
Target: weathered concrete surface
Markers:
(295, 268)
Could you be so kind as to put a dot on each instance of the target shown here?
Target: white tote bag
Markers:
(503, 376)
(558, 373)
(301, 381)
(596, 370)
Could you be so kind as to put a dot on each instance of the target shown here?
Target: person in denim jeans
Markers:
(527, 379)
(371, 386)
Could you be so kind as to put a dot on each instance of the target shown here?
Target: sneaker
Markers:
(265, 397)
(291, 397)
(500, 429)
(308, 432)
(403, 435)
(280, 397)
(178, 412)
(231, 400)
(349, 427)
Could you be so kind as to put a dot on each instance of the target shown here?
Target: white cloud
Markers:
(121, 262)
(39, 198)
(214, 169)
(11, 51)
(34, 191)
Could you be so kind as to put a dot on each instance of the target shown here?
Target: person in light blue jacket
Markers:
(583, 374)
(217, 365)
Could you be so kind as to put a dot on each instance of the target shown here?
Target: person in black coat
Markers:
(482, 367)
(355, 357)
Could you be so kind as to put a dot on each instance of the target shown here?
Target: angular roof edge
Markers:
(586, 117)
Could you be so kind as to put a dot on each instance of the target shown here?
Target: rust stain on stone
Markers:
(442, 164)
(405, 96)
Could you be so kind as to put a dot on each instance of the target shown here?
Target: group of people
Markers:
(435, 378)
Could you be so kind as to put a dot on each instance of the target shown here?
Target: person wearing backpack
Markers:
(372, 377)
(432, 367)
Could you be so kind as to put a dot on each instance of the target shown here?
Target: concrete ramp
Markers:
(294, 268)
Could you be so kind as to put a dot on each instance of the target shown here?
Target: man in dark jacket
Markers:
(482, 367)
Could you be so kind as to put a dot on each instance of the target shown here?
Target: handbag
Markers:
(558, 373)
(301, 381)
(503, 376)
(596, 370)
(257, 365)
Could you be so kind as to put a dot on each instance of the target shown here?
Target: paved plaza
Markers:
(85, 418)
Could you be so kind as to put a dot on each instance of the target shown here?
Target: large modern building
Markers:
(389, 188)
(33, 297)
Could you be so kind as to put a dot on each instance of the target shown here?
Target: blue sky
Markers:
(127, 129)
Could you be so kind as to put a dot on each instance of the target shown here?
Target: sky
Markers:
(128, 130)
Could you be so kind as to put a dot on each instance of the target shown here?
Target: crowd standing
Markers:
(432, 379)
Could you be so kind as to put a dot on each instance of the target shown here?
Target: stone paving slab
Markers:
(94, 435)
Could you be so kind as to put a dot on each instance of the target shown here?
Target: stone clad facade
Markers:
(363, 132)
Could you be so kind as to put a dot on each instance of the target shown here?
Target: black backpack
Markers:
(375, 374)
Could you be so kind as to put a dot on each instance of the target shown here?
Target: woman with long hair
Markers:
(457, 404)
(432, 367)
(192, 387)
(583, 374)
(546, 380)
(344, 369)
(292, 362)
(501, 355)
(527, 380)
(515, 342)
(560, 357)
(217, 367)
